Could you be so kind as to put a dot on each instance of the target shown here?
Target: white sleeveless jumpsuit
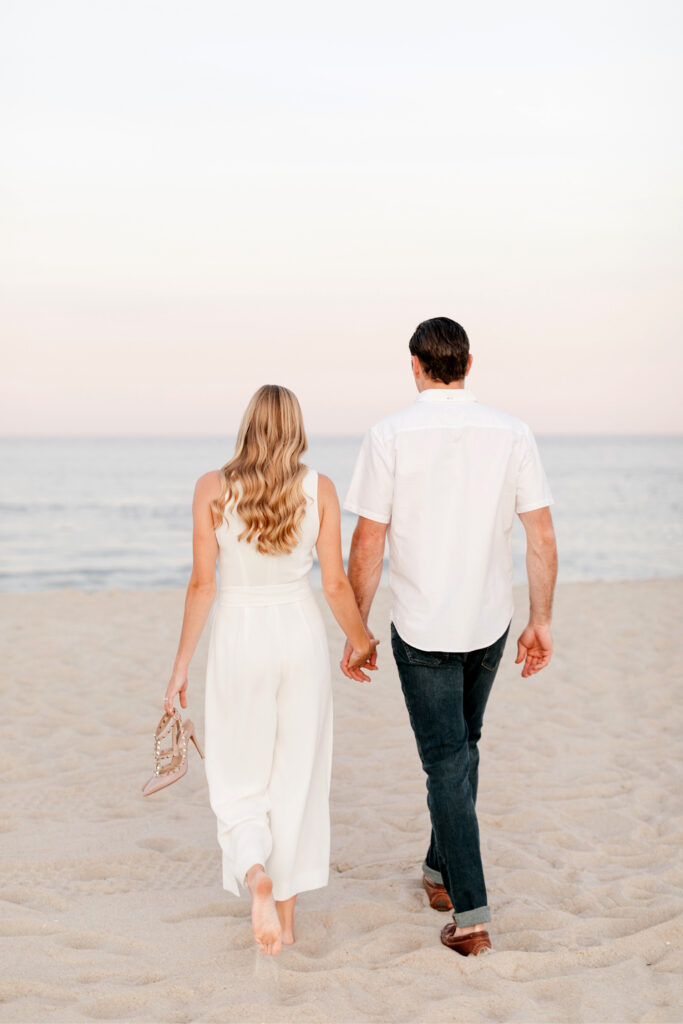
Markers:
(268, 705)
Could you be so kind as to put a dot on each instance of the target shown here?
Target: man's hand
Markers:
(534, 648)
(352, 661)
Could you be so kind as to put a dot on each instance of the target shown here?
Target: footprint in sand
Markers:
(14, 926)
(121, 1006)
(104, 943)
(159, 844)
(36, 899)
(227, 910)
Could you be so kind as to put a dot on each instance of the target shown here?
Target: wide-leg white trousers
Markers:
(268, 736)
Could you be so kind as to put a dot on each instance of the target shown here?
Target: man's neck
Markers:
(426, 384)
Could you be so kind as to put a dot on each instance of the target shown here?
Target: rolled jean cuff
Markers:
(431, 875)
(464, 918)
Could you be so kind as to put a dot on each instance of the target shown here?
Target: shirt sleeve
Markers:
(533, 490)
(371, 491)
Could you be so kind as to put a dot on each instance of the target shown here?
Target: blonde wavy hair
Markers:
(263, 481)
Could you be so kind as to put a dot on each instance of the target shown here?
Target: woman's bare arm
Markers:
(201, 589)
(336, 587)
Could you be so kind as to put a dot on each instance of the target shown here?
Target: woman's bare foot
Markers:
(285, 911)
(264, 917)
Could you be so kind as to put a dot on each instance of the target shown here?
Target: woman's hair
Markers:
(263, 482)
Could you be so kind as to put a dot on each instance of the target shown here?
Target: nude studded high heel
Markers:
(171, 761)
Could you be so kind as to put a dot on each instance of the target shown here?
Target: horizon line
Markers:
(310, 434)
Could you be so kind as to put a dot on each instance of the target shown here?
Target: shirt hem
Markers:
(534, 505)
(451, 645)
(377, 517)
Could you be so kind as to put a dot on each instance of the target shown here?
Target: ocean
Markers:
(99, 513)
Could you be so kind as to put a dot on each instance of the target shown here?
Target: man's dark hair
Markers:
(442, 347)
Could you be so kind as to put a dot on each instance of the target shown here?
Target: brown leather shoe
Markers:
(466, 945)
(438, 896)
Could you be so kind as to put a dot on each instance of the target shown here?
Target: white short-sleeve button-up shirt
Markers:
(448, 475)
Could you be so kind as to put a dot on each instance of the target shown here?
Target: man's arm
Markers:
(365, 570)
(535, 645)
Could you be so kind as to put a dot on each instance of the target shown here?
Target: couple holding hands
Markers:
(441, 480)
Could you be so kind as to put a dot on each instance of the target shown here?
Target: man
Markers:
(444, 479)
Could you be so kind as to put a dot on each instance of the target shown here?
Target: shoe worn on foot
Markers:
(438, 896)
(467, 945)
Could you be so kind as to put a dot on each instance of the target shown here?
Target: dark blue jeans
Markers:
(446, 695)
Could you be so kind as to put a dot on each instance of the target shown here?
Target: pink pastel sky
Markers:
(200, 198)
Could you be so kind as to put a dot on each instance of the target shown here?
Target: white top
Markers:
(242, 565)
(448, 475)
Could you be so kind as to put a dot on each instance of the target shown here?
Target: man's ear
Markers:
(469, 364)
(417, 366)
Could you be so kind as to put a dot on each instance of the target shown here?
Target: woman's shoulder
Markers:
(319, 486)
(208, 486)
(326, 489)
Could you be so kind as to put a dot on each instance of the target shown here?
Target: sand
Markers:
(112, 907)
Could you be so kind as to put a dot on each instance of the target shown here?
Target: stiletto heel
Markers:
(192, 735)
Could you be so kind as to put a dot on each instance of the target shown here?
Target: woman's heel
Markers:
(191, 735)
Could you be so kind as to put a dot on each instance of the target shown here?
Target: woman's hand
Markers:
(356, 658)
(364, 654)
(177, 685)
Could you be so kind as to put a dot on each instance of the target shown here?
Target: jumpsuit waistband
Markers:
(277, 593)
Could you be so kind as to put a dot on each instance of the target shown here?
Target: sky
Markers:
(198, 198)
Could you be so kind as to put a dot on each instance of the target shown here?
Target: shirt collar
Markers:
(446, 395)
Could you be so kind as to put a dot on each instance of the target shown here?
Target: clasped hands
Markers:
(355, 659)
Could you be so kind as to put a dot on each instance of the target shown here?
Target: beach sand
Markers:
(112, 906)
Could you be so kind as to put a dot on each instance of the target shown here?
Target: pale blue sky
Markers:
(197, 198)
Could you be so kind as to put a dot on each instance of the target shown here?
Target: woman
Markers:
(268, 694)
